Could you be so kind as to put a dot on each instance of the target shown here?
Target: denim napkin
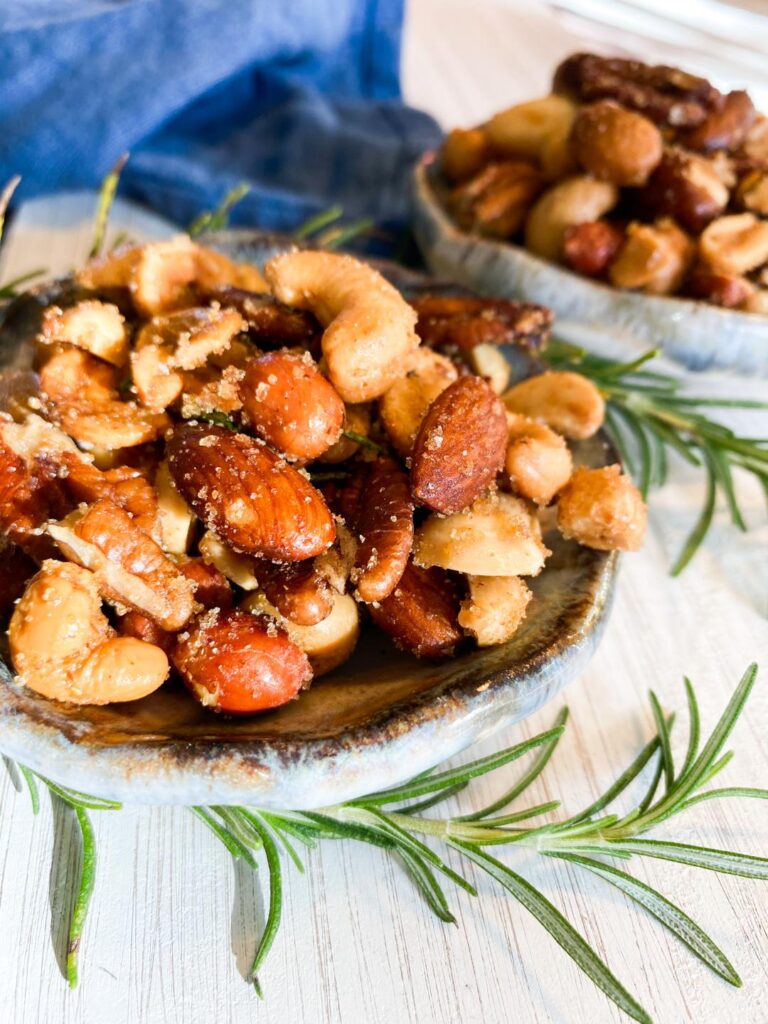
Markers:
(298, 98)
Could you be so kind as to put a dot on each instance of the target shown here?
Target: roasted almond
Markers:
(239, 663)
(383, 525)
(421, 613)
(250, 497)
(291, 405)
(460, 446)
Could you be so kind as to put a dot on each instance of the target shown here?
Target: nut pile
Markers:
(647, 178)
(221, 475)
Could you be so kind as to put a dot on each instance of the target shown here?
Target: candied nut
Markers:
(726, 290)
(754, 151)
(130, 568)
(210, 391)
(615, 144)
(494, 609)
(16, 568)
(176, 518)
(752, 192)
(141, 627)
(298, 590)
(666, 95)
(175, 342)
(725, 127)
(567, 402)
(369, 327)
(654, 258)
(30, 492)
(496, 201)
(80, 394)
(757, 302)
(602, 508)
(421, 613)
(404, 405)
(96, 327)
(538, 462)
(238, 663)
(590, 248)
(357, 420)
(497, 536)
(523, 130)
(460, 446)
(238, 568)
(464, 321)
(327, 644)
(165, 276)
(250, 497)
(570, 202)
(687, 187)
(270, 324)
(336, 564)
(463, 153)
(63, 647)
(383, 523)
(734, 244)
(210, 586)
(128, 488)
(291, 405)
(489, 362)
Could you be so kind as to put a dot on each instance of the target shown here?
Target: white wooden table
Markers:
(173, 925)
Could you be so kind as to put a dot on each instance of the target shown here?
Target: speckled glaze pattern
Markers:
(379, 719)
(622, 324)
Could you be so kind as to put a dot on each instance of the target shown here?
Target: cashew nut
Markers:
(63, 647)
(494, 609)
(369, 327)
(567, 402)
(523, 130)
(404, 405)
(96, 327)
(496, 536)
(538, 462)
(602, 509)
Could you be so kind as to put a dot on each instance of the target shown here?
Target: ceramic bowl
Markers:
(621, 324)
(376, 721)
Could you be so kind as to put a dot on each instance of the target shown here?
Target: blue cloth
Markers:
(298, 98)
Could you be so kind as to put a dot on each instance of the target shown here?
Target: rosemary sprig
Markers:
(647, 417)
(218, 219)
(107, 193)
(11, 288)
(393, 820)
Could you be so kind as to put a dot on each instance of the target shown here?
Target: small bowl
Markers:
(376, 721)
(622, 324)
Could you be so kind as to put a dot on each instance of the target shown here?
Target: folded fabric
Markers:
(299, 99)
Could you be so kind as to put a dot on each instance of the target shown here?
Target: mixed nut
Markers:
(647, 178)
(220, 474)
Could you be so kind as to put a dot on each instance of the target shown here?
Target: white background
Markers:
(173, 925)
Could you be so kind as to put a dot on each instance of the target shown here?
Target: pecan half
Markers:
(467, 321)
(270, 323)
(664, 94)
(247, 495)
(725, 127)
(496, 201)
(460, 446)
(421, 613)
(383, 522)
